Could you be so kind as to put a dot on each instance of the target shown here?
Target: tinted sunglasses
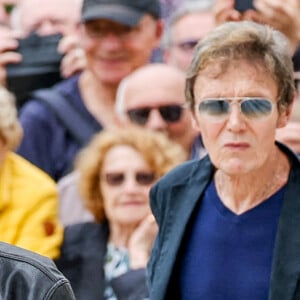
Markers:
(218, 109)
(9, 8)
(169, 113)
(118, 178)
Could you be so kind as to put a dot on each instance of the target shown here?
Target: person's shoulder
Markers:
(14, 255)
(29, 175)
(69, 83)
(68, 182)
(20, 267)
(79, 235)
(190, 170)
(34, 106)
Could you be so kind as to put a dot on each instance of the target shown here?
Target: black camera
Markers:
(242, 5)
(39, 68)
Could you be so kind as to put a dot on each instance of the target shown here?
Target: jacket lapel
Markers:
(286, 261)
(183, 200)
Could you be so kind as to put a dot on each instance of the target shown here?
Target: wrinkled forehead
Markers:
(218, 67)
(239, 78)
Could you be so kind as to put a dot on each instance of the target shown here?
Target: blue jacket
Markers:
(173, 200)
(27, 275)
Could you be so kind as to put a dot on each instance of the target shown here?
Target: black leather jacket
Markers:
(28, 276)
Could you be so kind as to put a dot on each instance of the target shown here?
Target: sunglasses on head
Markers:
(218, 109)
(118, 178)
(169, 113)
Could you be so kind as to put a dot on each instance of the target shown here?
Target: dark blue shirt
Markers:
(229, 256)
(46, 142)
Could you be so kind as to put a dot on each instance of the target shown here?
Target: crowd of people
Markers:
(162, 159)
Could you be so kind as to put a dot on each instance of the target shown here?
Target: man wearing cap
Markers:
(117, 37)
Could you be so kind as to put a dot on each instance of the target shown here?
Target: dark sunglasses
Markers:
(218, 109)
(117, 178)
(9, 8)
(187, 45)
(170, 113)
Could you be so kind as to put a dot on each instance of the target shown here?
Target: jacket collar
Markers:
(286, 260)
(184, 195)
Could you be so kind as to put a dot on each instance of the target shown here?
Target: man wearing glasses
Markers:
(117, 37)
(229, 223)
(188, 24)
(153, 97)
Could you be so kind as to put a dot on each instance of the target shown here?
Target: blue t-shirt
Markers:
(229, 256)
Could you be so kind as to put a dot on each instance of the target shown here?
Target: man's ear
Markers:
(159, 30)
(195, 122)
(286, 114)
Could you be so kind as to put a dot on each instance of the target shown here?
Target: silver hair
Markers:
(120, 100)
(185, 8)
(261, 45)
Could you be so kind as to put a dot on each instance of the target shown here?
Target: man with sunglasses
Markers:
(229, 223)
(158, 106)
(188, 24)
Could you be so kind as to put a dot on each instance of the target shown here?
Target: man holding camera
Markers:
(50, 18)
(117, 37)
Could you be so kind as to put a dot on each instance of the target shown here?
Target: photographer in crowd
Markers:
(116, 38)
(20, 55)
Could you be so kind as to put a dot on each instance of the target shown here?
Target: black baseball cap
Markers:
(127, 12)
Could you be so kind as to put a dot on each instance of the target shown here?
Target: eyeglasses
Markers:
(8, 8)
(99, 30)
(218, 109)
(118, 178)
(170, 113)
(188, 45)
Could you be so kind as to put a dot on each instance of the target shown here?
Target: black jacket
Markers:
(82, 261)
(25, 275)
(173, 200)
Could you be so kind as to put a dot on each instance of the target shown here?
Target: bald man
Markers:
(153, 97)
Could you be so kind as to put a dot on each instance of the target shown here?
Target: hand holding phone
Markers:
(243, 5)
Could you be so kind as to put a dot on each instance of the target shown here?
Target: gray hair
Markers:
(185, 8)
(259, 44)
(120, 99)
(10, 129)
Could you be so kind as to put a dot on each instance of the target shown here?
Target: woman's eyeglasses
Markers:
(169, 113)
(218, 109)
(118, 178)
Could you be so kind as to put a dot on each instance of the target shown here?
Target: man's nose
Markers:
(236, 119)
(155, 121)
(111, 41)
(47, 28)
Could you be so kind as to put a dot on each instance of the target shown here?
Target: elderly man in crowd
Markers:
(228, 224)
(188, 24)
(53, 17)
(283, 16)
(117, 37)
(160, 107)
